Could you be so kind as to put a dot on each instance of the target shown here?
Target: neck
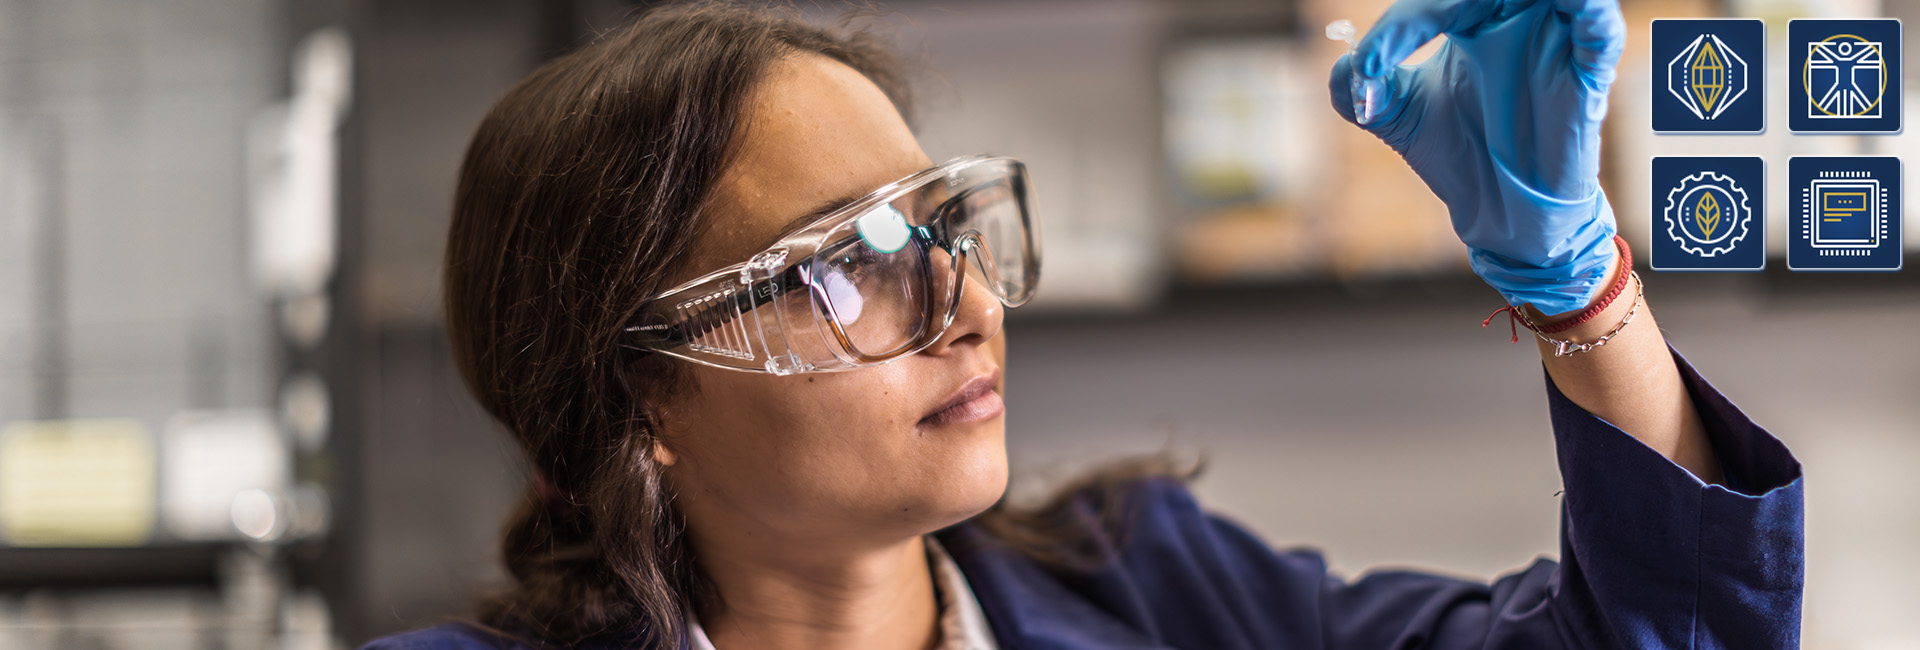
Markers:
(817, 596)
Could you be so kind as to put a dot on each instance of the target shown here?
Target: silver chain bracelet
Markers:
(1563, 348)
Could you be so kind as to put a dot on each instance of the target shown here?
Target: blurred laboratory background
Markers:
(229, 418)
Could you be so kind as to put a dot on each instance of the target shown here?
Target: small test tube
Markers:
(1367, 92)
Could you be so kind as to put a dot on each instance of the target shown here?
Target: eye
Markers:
(858, 261)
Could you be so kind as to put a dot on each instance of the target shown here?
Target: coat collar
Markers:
(1030, 608)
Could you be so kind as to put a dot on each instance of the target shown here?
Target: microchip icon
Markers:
(1847, 213)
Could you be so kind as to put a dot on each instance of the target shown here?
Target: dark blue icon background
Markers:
(1802, 255)
(1747, 38)
(1748, 254)
(1802, 32)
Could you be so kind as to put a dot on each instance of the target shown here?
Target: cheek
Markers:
(840, 437)
(867, 457)
(770, 439)
(836, 450)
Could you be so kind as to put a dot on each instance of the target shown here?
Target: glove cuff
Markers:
(1559, 288)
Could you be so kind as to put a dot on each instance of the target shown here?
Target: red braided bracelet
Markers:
(1619, 285)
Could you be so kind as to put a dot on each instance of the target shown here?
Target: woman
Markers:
(748, 335)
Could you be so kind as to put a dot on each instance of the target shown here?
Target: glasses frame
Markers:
(714, 319)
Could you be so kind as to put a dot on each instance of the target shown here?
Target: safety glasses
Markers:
(871, 282)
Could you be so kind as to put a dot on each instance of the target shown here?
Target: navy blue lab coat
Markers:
(1650, 557)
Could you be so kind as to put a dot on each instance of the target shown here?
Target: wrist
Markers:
(1614, 271)
(1589, 329)
(1600, 317)
(1563, 331)
(1559, 269)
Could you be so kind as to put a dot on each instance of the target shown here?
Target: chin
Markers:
(964, 486)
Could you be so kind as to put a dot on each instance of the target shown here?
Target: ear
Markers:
(655, 402)
(662, 454)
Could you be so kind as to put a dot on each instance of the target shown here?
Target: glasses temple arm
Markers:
(670, 329)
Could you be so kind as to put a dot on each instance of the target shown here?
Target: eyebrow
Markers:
(814, 215)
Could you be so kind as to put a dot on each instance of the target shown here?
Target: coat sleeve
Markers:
(1651, 557)
(1666, 560)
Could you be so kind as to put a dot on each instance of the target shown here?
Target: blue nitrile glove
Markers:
(1503, 123)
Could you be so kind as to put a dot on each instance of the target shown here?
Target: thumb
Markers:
(1340, 88)
(1391, 95)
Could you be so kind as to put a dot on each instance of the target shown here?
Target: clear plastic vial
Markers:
(1368, 92)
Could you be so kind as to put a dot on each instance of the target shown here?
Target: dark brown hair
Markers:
(583, 190)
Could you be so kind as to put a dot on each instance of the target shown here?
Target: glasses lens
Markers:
(887, 276)
(880, 299)
(996, 210)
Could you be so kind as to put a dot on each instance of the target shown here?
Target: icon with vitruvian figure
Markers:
(1844, 75)
(1708, 84)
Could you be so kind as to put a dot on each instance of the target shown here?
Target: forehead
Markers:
(817, 131)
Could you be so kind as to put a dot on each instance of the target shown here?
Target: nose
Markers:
(976, 319)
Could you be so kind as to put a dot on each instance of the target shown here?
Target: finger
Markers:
(1599, 35)
(1392, 95)
(1340, 88)
(1409, 24)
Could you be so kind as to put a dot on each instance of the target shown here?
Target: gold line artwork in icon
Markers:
(1706, 214)
(1707, 76)
(1708, 80)
(1833, 75)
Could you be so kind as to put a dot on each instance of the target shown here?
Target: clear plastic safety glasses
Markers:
(866, 284)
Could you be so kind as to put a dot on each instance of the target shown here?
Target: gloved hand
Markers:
(1503, 123)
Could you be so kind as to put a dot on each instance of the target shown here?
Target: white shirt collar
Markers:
(963, 626)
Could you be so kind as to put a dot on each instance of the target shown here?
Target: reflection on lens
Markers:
(844, 296)
(884, 229)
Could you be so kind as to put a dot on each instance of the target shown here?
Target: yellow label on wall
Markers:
(76, 483)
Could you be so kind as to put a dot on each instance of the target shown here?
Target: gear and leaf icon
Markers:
(1708, 214)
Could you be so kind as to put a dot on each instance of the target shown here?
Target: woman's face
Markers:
(856, 455)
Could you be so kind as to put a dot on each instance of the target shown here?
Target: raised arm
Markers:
(1681, 518)
(1631, 380)
(1504, 125)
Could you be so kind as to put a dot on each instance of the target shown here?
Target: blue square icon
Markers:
(1709, 76)
(1845, 213)
(1709, 214)
(1844, 76)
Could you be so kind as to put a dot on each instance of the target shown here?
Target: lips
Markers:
(972, 402)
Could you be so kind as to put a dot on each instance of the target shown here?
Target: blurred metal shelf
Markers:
(25, 569)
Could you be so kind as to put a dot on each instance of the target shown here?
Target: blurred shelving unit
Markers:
(167, 252)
